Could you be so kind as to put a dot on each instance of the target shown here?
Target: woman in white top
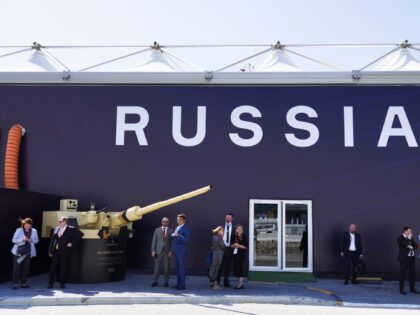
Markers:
(23, 250)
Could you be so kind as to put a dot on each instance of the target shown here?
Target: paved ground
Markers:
(204, 309)
(136, 290)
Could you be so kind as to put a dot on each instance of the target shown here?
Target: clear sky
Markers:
(210, 22)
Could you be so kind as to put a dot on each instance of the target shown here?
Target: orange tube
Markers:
(11, 163)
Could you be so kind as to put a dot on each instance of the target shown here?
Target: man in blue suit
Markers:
(179, 247)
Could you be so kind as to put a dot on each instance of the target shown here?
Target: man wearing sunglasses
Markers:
(64, 238)
(161, 251)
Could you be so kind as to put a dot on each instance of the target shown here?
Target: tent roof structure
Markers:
(400, 60)
(37, 61)
(161, 60)
(277, 61)
(274, 64)
(158, 62)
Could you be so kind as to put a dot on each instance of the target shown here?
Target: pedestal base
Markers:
(98, 260)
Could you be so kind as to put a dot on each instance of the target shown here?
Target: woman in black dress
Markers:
(239, 246)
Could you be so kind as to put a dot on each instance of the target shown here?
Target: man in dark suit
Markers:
(351, 250)
(64, 238)
(161, 250)
(407, 246)
(228, 238)
(180, 240)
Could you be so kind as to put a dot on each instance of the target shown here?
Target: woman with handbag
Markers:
(23, 250)
(239, 255)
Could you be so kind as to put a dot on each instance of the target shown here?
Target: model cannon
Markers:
(101, 254)
(102, 224)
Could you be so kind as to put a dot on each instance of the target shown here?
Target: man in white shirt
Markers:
(63, 240)
(351, 251)
(228, 238)
(406, 256)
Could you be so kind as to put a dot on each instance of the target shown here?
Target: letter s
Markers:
(235, 118)
(297, 124)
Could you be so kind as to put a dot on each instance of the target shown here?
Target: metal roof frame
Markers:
(361, 76)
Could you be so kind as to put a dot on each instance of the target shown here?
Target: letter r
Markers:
(138, 127)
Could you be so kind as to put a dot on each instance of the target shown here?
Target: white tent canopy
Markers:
(384, 63)
(37, 61)
(277, 61)
(399, 60)
(158, 61)
(163, 61)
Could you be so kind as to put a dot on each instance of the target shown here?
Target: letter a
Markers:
(403, 131)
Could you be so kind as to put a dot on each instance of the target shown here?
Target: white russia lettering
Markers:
(395, 113)
(176, 127)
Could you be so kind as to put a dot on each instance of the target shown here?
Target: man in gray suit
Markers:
(161, 250)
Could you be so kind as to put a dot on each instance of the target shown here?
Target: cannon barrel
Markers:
(135, 213)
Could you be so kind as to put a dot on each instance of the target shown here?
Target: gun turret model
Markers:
(100, 224)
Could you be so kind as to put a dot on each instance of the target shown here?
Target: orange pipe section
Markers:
(11, 164)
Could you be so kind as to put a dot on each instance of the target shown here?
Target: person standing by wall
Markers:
(217, 250)
(407, 246)
(180, 240)
(351, 251)
(64, 238)
(161, 251)
(303, 247)
(239, 246)
(24, 240)
(227, 255)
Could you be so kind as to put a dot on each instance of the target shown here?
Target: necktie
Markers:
(227, 233)
(164, 232)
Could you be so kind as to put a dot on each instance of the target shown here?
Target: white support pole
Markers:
(115, 59)
(245, 59)
(16, 52)
(182, 60)
(54, 59)
(314, 60)
(380, 58)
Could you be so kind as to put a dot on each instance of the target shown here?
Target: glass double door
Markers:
(280, 235)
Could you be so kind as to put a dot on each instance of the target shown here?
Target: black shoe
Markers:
(50, 285)
(403, 292)
(166, 284)
(239, 288)
(346, 282)
(14, 287)
(355, 282)
(175, 287)
(181, 288)
(25, 286)
(154, 284)
(62, 286)
(227, 285)
(413, 290)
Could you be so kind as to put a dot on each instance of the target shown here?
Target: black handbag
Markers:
(24, 249)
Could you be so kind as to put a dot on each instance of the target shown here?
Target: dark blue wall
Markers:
(70, 150)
